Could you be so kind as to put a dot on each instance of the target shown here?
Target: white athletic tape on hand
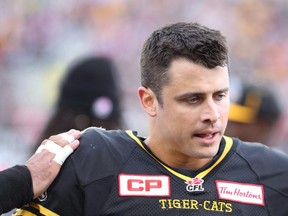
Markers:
(61, 156)
(52, 147)
(39, 149)
(67, 137)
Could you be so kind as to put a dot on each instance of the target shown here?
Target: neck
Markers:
(176, 159)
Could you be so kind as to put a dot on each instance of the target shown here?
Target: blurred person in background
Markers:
(89, 96)
(254, 112)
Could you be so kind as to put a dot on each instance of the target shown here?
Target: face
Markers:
(194, 114)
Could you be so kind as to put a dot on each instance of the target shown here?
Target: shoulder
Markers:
(101, 153)
(258, 152)
(98, 141)
(270, 165)
(93, 134)
(271, 168)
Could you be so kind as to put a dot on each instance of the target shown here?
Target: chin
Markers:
(209, 152)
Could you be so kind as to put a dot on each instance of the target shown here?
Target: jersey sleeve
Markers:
(16, 188)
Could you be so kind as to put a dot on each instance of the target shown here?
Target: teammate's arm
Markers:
(20, 184)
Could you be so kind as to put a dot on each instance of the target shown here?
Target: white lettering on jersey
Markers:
(144, 185)
(240, 192)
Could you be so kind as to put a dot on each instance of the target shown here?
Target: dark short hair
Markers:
(197, 43)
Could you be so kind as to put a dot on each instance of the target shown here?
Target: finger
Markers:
(75, 133)
(75, 144)
(52, 147)
(62, 147)
(61, 155)
(59, 160)
(65, 152)
(65, 138)
(72, 134)
(39, 149)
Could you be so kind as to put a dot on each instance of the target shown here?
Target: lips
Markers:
(207, 138)
(206, 134)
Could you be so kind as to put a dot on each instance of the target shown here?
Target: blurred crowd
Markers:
(39, 39)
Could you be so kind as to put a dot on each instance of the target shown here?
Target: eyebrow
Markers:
(193, 94)
(223, 90)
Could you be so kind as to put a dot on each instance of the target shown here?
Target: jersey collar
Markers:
(228, 144)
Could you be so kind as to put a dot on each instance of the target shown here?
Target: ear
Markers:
(148, 100)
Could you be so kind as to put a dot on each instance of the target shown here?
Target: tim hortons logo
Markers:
(240, 192)
(144, 185)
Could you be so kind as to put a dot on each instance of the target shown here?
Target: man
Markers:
(185, 166)
(20, 184)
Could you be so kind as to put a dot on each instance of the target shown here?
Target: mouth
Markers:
(207, 138)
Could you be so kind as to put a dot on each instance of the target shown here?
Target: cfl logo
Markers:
(194, 185)
(192, 188)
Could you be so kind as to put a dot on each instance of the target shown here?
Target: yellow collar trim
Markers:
(202, 174)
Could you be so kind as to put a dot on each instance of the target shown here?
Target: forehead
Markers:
(186, 74)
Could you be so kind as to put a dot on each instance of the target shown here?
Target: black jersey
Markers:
(114, 173)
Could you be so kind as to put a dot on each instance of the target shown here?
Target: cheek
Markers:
(224, 113)
(175, 116)
(224, 109)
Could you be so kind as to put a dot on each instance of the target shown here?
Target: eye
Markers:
(193, 100)
(220, 96)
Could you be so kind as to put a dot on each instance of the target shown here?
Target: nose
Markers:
(210, 112)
